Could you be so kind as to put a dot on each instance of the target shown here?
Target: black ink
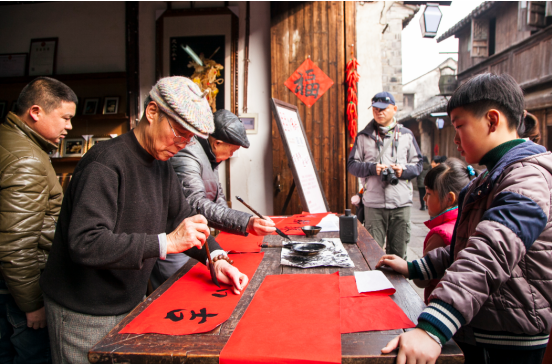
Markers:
(172, 316)
(203, 314)
(299, 83)
(220, 295)
(312, 89)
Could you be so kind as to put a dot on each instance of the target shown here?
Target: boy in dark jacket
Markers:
(495, 291)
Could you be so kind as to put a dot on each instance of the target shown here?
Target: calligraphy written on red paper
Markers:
(309, 83)
(193, 304)
(292, 225)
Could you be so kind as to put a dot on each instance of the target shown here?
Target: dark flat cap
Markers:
(229, 128)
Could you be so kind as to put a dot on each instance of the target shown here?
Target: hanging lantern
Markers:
(430, 20)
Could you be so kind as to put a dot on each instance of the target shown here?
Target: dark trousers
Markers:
(390, 227)
(18, 343)
(478, 355)
(422, 191)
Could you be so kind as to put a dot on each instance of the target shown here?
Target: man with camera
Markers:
(386, 157)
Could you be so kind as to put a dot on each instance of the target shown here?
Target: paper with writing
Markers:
(193, 304)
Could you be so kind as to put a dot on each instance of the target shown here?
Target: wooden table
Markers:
(205, 348)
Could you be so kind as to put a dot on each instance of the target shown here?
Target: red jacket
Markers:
(443, 225)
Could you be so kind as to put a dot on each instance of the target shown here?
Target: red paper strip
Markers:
(292, 319)
(238, 243)
(348, 288)
(292, 225)
(373, 313)
(189, 305)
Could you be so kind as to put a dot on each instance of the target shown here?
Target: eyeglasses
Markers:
(180, 140)
(386, 100)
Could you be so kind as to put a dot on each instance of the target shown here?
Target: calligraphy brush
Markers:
(211, 265)
(278, 231)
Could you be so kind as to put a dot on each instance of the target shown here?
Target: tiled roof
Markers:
(436, 103)
(467, 20)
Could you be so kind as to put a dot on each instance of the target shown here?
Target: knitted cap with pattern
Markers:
(182, 100)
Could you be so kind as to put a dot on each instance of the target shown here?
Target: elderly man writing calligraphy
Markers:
(197, 168)
(124, 209)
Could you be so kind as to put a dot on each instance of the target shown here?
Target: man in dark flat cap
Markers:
(123, 210)
(197, 169)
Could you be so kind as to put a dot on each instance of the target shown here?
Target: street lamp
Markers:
(430, 19)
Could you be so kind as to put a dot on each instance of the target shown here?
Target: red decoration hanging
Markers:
(352, 98)
(309, 82)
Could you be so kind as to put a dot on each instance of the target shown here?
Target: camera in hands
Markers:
(388, 176)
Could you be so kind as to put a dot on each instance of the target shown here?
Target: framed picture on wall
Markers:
(111, 105)
(90, 106)
(42, 57)
(73, 147)
(211, 32)
(250, 122)
(95, 140)
(13, 65)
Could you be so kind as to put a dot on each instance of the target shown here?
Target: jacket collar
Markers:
(519, 152)
(372, 127)
(209, 152)
(442, 218)
(15, 122)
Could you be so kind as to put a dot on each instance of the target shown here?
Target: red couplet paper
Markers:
(348, 288)
(372, 313)
(238, 243)
(193, 304)
(292, 225)
(292, 319)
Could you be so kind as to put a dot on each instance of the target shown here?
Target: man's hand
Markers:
(260, 227)
(228, 274)
(191, 232)
(36, 319)
(398, 170)
(415, 346)
(399, 265)
(379, 168)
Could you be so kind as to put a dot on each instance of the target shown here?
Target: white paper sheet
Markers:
(372, 281)
(329, 223)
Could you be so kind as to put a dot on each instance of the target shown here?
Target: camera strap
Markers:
(379, 157)
(394, 140)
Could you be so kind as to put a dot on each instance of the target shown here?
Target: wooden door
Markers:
(323, 31)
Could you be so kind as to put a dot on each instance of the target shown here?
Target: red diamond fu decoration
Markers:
(309, 82)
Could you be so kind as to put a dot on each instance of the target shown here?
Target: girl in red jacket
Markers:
(443, 185)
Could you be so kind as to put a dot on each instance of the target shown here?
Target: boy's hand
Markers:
(399, 265)
(415, 346)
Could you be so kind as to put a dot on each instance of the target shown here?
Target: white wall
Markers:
(369, 57)
(91, 34)
(251, 170)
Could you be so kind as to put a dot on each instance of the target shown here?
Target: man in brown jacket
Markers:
(30, 201)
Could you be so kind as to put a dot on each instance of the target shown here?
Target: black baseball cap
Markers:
(229, 128)
(382, 100)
